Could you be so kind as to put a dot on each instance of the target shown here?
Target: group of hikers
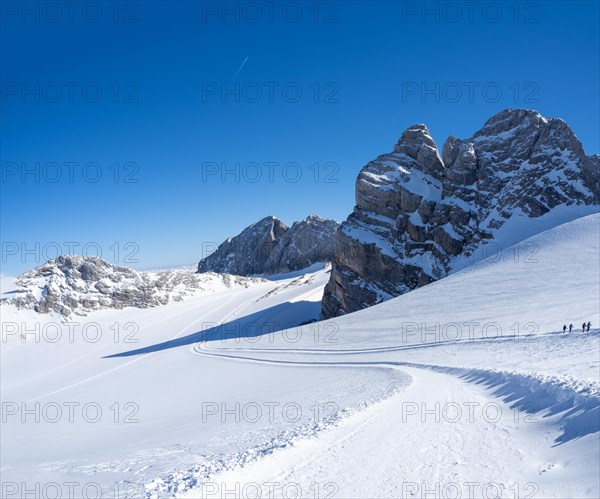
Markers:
(583, 326)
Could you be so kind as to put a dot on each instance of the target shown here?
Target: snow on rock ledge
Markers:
(77, 284)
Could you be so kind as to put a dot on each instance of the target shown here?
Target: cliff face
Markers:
(270, 247)
(246, 253)
(306, 242)
(419, 214)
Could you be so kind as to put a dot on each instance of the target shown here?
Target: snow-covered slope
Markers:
(463, 385)
(143, 402)
(499, 398)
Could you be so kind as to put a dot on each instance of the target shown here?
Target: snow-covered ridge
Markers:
(76, 284)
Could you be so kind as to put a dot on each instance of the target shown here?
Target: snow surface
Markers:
(465, 387)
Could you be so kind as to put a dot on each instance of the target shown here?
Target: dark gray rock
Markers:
(270, 247)
(304, 243)
(417, 213)
(248, 252)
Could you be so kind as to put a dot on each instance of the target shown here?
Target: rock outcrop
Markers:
(270, 247)
(306, 242)
(72, 284)
(248, 252)
(419, 215)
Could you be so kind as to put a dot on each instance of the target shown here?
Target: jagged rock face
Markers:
(248, 252)
(417, 213)
(306, 242)
(269, 247)
(590, 175)
(78, 284)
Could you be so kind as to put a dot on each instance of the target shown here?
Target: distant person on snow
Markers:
(589, 326)
(570, 327)
(583, 327)
(565, 328)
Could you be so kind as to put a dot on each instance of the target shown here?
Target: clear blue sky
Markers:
(367, 63)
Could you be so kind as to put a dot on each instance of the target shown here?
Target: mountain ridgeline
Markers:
(74, 284)
(270, 247)
(420, 215)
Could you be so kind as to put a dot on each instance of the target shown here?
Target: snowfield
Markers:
(464, 388)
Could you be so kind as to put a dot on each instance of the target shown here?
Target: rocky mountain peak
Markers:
(417, 213)
(270, 227)
(417, 143)
(270, 247)
(246, 253)
(509, 119)
(86, 268)
(306, 242)
(310, 219)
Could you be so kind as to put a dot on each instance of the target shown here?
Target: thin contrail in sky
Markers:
(238, 71)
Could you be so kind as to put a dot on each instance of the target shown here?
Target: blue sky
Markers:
(322, 88)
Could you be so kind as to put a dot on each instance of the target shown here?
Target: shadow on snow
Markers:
(279, 317)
